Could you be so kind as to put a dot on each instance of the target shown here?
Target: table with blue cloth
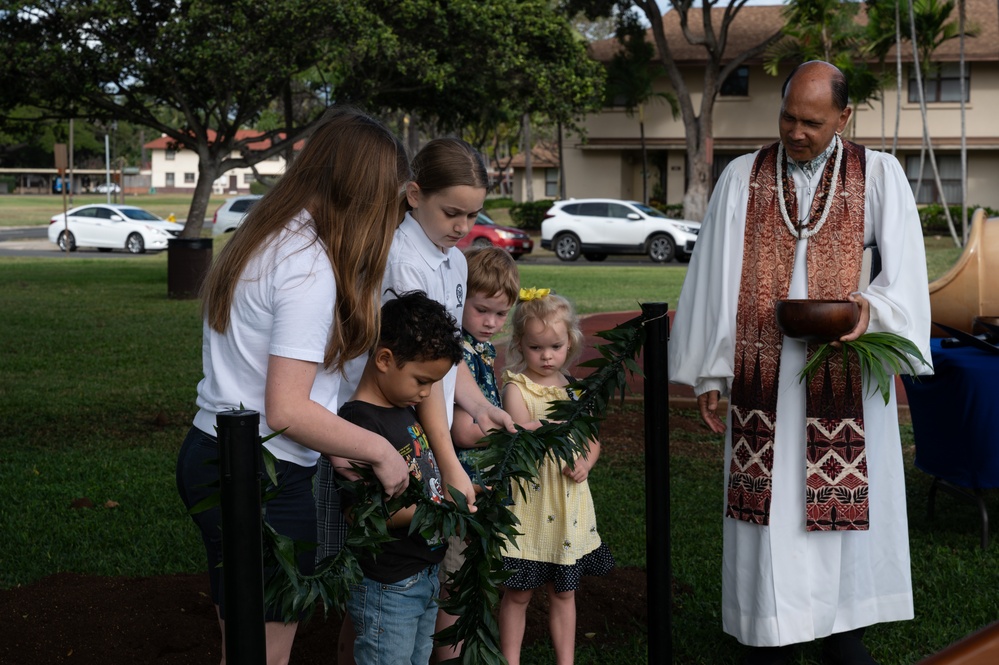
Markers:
(955, 420)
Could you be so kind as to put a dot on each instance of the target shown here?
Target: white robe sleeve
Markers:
(702, 338)
(899, 295)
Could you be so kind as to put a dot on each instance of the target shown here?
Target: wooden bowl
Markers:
(817, 320)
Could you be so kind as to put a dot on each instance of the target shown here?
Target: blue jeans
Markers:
(395, 622)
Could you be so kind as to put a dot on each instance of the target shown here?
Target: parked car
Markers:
(230, 214)
(104, 188)
(486, 232)
(111, 226)
(595, 228)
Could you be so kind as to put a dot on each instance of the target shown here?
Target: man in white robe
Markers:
(783, 584)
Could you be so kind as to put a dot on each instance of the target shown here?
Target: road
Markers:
(33, 241)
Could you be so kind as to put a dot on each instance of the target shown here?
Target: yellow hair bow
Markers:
(533, 294)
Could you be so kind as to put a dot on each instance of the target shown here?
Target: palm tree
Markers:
(629, 83)
(828, 30)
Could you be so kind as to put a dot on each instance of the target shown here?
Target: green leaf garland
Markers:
(509, 461)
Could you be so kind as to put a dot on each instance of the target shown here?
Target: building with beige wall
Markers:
(176, 170)
(608, 162)
(545, 174)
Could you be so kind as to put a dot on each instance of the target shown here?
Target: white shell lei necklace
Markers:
(807, 232)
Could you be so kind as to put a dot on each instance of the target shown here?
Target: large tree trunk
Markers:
(561, 164)
(208, 170)
(645, 156)
(528, 166)
(695, 199)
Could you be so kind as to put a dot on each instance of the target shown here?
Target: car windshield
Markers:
(650, 211)
(139, 214)
(482, 219)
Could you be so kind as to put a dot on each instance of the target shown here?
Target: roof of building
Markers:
(165, 142)
(755, 23)
(541, 157)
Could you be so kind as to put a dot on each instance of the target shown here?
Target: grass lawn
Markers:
(99, 371)
(37, 209)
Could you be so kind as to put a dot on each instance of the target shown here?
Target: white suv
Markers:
(598, 227)
(230, 214)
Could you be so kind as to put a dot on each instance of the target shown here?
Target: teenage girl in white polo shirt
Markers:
(292, 297)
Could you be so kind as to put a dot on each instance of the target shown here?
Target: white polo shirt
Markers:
(283, 305)
(415, 263)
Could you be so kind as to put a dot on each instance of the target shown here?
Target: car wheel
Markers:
(567, 246)
(482, 242)
(662, 249)
(134, 244)
(595, 257)
(66, 238)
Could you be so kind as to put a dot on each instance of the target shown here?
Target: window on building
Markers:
(169, 179)
(551, 182)
(737, 83)
(943, 84)
(170, 154)
(950, 178)
(189, 178)
(248, 178)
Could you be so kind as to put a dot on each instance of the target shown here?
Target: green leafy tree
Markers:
(630, 80)
(211, 64)
(200, 70)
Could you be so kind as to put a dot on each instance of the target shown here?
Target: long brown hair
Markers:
(348, 177)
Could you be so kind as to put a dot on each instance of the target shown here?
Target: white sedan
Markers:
(111, 226)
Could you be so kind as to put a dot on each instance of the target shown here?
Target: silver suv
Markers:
(230, 214)
(595, 228)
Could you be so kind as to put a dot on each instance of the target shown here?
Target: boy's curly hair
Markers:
(417, 328)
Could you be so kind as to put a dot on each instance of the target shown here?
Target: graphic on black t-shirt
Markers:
(410, 553)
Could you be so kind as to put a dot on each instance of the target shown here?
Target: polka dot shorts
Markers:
(532, 574)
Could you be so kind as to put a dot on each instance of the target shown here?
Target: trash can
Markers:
(188, 261)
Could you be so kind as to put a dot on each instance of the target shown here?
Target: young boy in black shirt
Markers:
(394, 608)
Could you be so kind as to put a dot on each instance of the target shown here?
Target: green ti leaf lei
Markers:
(509, 460)
(881, 356)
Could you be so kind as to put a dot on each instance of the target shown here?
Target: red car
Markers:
(486, 232)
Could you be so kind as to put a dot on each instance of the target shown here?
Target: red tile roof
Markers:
(164, 142)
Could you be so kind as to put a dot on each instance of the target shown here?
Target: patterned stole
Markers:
(836, 462)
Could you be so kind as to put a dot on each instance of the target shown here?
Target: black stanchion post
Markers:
(657, 540)
(242, 549)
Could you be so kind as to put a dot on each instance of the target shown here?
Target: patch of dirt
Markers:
(89, 620)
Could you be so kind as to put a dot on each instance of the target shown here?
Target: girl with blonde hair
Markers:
(559, 542)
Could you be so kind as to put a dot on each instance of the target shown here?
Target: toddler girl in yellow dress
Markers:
(560, 542)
